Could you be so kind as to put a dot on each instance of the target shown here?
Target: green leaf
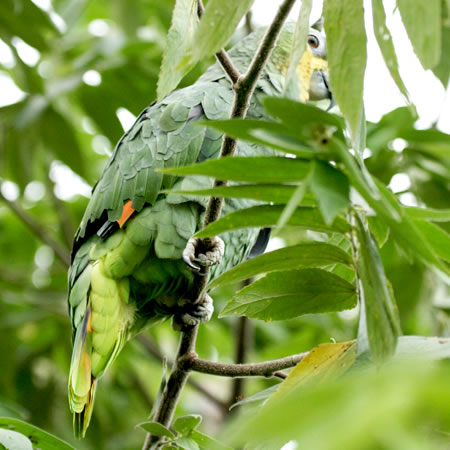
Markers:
(303, 118)
(27, 21)
(187, 443)
(267, 216)
(433, 215)
(331, 188)
(207, 442)
(185, 424)
(322, 364)
(275, 193)
(11, 440)
(179, 43)
(261, 396)
(217, 25)
(436, 237)
(442, 69)
(156, 429)
(309, 254)
(422, 21)
(40, 438)
(291, 88)
(379, 229)
(423, 347)
(379, 312)
(384, 39)
(256, 169)
(271, 134)
(284, 295)
(347, 56)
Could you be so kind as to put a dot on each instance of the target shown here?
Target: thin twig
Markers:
(37, 229)
(244, 88)
(248, 22)
(151, 348)
(263, 369)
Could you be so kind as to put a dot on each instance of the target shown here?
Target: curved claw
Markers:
(190, 264)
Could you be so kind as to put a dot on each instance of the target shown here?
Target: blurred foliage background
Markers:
(95, 63)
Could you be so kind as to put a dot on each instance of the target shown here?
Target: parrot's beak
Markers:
(319, 87)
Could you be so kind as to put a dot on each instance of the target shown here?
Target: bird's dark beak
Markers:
(326, 82)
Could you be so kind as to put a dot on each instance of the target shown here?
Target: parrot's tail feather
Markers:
(81, 382)
(81, 419)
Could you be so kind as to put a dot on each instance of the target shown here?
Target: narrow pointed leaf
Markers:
(257, 169)
(275, 193)
(422, 20)
(284, 295)
(331, 188)
(384, 39)
(310, 254)
(381, 320)
(267, 216)
(347, 56)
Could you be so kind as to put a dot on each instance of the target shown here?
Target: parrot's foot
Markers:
(193, 314)
(197, 255)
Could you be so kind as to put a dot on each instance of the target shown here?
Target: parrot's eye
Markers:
(313, 41)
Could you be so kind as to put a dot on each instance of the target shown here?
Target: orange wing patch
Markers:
(127, 211)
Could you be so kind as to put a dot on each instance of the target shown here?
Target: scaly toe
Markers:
(211, 257)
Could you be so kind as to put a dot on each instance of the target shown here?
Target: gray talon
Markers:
(212, 257)
(195, 314)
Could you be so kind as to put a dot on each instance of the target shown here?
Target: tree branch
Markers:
(244, 88)
(263, 369)
(37, 229)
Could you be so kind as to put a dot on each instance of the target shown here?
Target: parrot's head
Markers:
(313, 68)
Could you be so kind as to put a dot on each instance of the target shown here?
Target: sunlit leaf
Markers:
(422, 21)
(323, 363)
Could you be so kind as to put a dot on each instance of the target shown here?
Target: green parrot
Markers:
(133, 257)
